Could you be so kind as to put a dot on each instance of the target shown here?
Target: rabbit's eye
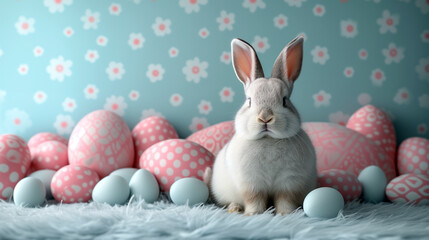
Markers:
(284, 101)
(250, 101)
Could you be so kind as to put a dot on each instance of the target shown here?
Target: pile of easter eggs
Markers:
(105, 162)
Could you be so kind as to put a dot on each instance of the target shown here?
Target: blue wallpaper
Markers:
(61, 59)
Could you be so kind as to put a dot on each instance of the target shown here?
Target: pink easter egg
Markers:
(15, 160)
(101, 141)
(174, 159)
(73, 184)
(214, 137)
(44, 137)
(149, 131)
(413, 156)
(338, 147)
(409, 188)
(346, 183)
(49, 155)
(375, 125)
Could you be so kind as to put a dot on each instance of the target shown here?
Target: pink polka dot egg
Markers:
(49, 155)
(346, 183)
(14, 163)
(101, 141)
(73, 184)
(149, 131)
(39, 138)
(173, 159)
(413, 156)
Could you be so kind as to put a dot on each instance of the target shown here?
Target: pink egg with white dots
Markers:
(346, 183)
(149, 131)
(73, 184)
(15, 160)
(44, 137)
(101, 141)
(413, 156)
(174, 159)
(49, 155)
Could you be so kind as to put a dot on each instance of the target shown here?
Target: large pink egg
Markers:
(338, 147)
(409, 188)
(174, 159)
(73, 184)
(149, 131)
(101, 141)
(214, 137)
(375, 125)
(346, 183)
(413, 156)
(49, 155)
(15, 160)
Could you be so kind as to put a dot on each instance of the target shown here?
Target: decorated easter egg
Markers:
(374, 183)
(214, 137)
(143, 185)
(189, 191)
(413, 156)
(73, 184)
(410, 188)
(126, 173)
(338, 147)
(375, 125)
(45, 176)
(15, 160)
(49, 155)
(346, 183)
(324, 202)
(101, 141)
(29, 192)
(44, 137)
(112, 190)
(149, 131)
(174, 159)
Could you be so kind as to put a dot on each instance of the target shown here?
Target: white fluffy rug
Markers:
(164, 220)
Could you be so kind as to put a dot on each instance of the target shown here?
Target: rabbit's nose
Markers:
(265, 116)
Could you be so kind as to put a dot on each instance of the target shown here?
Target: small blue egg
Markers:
(126, 173)
(45, 176)
(143, 185)
(29, 192)
(324, 202)
(374, 183)
(189, 191)
(111, 190)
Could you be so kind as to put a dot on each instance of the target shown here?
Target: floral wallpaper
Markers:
(61, 59)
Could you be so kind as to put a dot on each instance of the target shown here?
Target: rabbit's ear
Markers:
(288, 63)
(245, 62)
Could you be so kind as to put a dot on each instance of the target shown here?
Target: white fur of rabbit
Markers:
(270, 158)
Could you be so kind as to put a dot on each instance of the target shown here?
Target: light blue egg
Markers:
(143, 185)
(324, 202)
(29, 192)
(189, 190)
(46, 177)
(111, 190)
(126, 173)
(374, 183)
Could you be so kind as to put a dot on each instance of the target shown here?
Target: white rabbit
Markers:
(270, 159)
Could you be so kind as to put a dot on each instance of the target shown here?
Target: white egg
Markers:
(126, 173)
(111, 190)
(189, 191)
(29, 192)
(374, 183)
(324, 202)
(46, 177)
(144, 185)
